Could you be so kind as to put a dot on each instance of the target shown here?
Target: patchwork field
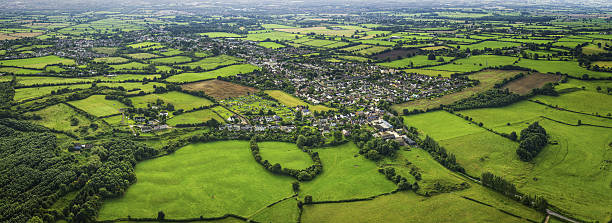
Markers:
(178, 99)
(219, 89)
(96, 105)
(175, 185)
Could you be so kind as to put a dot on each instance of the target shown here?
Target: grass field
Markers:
(17, 71)
(37, 62)
(129, 66)
(582, 101)
(433, 73)
(606, 64)
(286, 154)
(285, 211)
(345, 176)
(571, 175)
(171, 60)
(105, 50)
(141, 56)
(588, 85)
(320, 31)
(195, 117)
(355, 58)
(356, 48)
(96, 105)
(271, 45)
(220, 35)
(487, 44)
(417, 61)
(291, 101)
(219, 89)
(271, 36)
(372, 50)
(111, 60)
(28, 80)
(135, 87)
(169, 52)
(223, 72)
(475, 63)
(178, 99)
(58, 117)
(487, 78)
(567, 67)
(213, 62)
(175, 184)
(28, 93)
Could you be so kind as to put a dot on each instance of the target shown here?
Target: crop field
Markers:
(173, 184)
(195, 117)
(111, 60)
(434, 48)
(219, 89)
(558, 170)
(606, 64)
(566, 67)
(345, 176)
(416, 61)
(37, 62)
(29, 93)
(171, 60)
(221, 72)
(96, 105)
(487, 78)
(433, 73)
(525, 84)
(141, 56)
(178, 99)
(213, 62)
(291, 101)
(288, 155)
(221, 35)
(475, 63)
(271, 45)
(272, 35)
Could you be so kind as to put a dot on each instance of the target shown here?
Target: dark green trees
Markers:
(531, 142)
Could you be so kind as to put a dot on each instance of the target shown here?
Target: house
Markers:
(382, 125)
(140, 119)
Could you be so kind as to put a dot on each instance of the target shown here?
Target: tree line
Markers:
(509, 189)
(301, 175)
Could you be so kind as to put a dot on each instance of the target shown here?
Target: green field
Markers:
(271, 45)
(17, 71)
(141, 56)
(581, 101)
(433, 73)
(195, 117)
(220, 35)
(178, 99)
(475, 63)
(111, 60)
(37, 62)
(213, 62)
(286, 154)
(417, 61)
(129, 66)
(291, 101)
(58, 117)
(176, 184)
(487, 44)
(96, 105)
(345, 176)
(271, 36)
(567, 67)
(171, 60)
(135, 87)
(223, 72)
(29, 93)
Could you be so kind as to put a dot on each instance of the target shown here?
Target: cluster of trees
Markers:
(547, 89)
(402, 182)
(374, 148)
(308, 137)
(532, 140)
(7, 93)
(120, 98)
(487, 99)
(508, 80)
(301, 175)
(438, 152)
(509, 189)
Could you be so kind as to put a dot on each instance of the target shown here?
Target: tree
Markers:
(301, 140)
(161, 215)
(296, 186)
(307, 199)
(431, 56)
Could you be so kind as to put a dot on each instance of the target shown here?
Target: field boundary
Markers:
(567, 110)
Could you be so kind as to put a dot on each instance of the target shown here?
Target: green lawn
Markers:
(194, 117)
(37, 62)
(96, 105)
(223, 72)
(345, 176)
(232, 183)
(178, 99)
(286, 154)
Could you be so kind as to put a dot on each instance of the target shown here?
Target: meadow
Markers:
(372, 50)
(29, 93)
(171, 60)
(178, 99)
(582, 101)
(220, 35)
(194, 117)
(417, 61)
(213, 62)
(129, 66)
(18, 71)
(566, 67)
(271, 45)
(272, 35)
(475, 63)
(527, 83)
(135, 87)
(487, 44)
(291, 101)
(97, 106)
(111, 60)
(141, 56)
(37, 62)
(59, 117)
(288, 155)
(433, 73)
(175, 184)
(221, 72)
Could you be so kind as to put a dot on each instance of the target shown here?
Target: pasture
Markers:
(221, 72)
(219, 89)
(178, 99)
(175, 184)
(97, 106)
(35, 92)
(487, 44)
(171, 60)
(288, 155)
(582, 101)
(291, 101)
(220, 35)
(433, 73)
(475, 63)
(111, 60)
(18, 71)
(37, 62)
(59, 117)
(271, 45)
(271, 36)
(566, 67)
(141, 56)
(213, 62)
(194, 117)
(415, 61)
